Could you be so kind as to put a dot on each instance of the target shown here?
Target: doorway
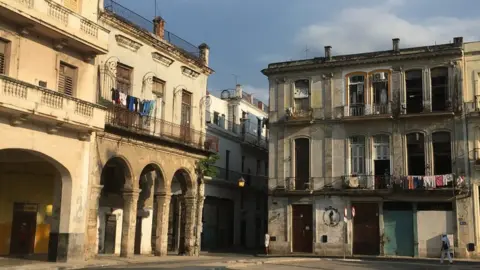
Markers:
(302, 220)
(23, 229)
(366, 229)
(110, 234)
(138, 236)
(302, 163)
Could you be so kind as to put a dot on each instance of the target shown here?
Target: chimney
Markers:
(328, 52)
(458, 41)
(159, 27)
(238, 91)
(204, 53)
(396, 45)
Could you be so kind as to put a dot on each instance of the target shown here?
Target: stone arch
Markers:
(184, 177)
(52, 201)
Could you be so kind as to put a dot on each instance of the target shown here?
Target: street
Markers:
(321, 264)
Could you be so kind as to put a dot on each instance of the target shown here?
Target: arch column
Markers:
(129, 222)
(199, 225)
(92, 221)
(190, 224)
(162, 206)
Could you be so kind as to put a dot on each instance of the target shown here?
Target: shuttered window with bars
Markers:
(3, 56)
(66, 79)
(124, 78)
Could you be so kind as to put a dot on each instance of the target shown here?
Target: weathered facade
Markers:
(146, 195)
(382, 134)
(235, 216)
(48, 117)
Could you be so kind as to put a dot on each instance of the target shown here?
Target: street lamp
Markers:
(241, 182)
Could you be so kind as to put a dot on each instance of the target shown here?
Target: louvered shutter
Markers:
(3, 49)
(66, 79)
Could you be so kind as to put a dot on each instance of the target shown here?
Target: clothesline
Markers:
(428, 181)
(143, 107)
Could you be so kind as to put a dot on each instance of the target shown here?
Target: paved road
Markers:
(305, 265)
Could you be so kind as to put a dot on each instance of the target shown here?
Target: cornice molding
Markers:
(128, 43)
(162, 59)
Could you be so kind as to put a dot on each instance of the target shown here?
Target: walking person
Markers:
(445, 249)
(267, 243)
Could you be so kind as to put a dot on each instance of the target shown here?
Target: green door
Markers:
(398, 239)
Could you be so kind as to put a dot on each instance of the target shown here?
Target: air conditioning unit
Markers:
(379, 76)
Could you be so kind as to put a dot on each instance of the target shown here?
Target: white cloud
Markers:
(361, 29)
(258, 92)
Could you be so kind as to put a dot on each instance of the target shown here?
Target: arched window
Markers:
(442, 153)
(356, 95)
(416, 153)
(414, 87)
(380, 92)
(439, 77)
(302, 163)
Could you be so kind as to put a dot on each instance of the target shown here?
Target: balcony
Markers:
(120, 117)
(232, 177)
(57, 22)
(366, 110)
(292, 114)
(29, 101)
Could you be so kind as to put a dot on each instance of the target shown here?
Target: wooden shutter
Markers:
(3, 52)
(158, 87)
(72, 4)
(66, 79)
(124, 78)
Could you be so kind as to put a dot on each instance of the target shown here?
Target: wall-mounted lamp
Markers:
(241, 182)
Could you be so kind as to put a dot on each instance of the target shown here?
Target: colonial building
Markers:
(48, 117)
(145, 191)
(235, 215)
(370, 153)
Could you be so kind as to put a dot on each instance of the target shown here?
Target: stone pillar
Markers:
(162, 207)
(92, 226)
(199, 225)
(189, 244)
(129, 223)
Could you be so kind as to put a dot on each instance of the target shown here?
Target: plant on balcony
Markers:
(206, 165)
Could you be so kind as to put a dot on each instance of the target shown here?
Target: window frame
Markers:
(122, 80)
(74, 78)
(4, 64)
(304, 102)
(359, 147)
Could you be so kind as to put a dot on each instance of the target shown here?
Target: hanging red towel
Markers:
(439, 180)
(410, 182)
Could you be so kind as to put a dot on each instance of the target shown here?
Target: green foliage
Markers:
(206, 165)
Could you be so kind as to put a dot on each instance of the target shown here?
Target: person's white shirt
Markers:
(445, 249)
(267, 239)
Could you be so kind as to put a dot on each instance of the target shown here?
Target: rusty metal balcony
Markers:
(25, 100)
(120, 117)
(57, 22)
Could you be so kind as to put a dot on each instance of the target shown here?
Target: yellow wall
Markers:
(26, 188)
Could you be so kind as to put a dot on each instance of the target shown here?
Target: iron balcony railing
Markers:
(258, 181)
(312, 183)
(141, 22)
(120, 117)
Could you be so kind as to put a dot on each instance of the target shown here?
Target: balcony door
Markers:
(186, 113)
(302, 163)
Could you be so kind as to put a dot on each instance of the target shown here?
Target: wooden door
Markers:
(366, 231)
(110, 234)
(185, 116)
(23, 232)
(138, 236)
(302, 228)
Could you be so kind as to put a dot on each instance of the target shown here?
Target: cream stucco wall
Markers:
(429, 233)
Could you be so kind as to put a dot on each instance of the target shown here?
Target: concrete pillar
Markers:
(199, 225)
(129, 223)
(162, 206)
(190, 224)
(92, 231)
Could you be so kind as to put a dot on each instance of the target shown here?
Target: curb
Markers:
(248, 263)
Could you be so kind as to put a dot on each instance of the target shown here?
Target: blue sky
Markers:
(245, 35)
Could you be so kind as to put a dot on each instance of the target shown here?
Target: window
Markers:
(414, 85)
(302, 163)
(439, 77)
(301, 96)
(158, 90)
(3, 57)
(381, 147)
(357, 153)
(442, 153)
(124, 78)
(216, 118)
(356, 87)
(73, 5)
(66, 79)
(380, 92)
(416, 153)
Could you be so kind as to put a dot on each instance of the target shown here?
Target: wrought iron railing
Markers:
(258, 181)
(223, 123)
(356, 109)
(121, 117)
(141, 22)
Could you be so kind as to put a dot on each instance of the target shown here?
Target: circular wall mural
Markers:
(331, 217)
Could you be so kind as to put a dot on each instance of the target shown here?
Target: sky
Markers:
(244, 36)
